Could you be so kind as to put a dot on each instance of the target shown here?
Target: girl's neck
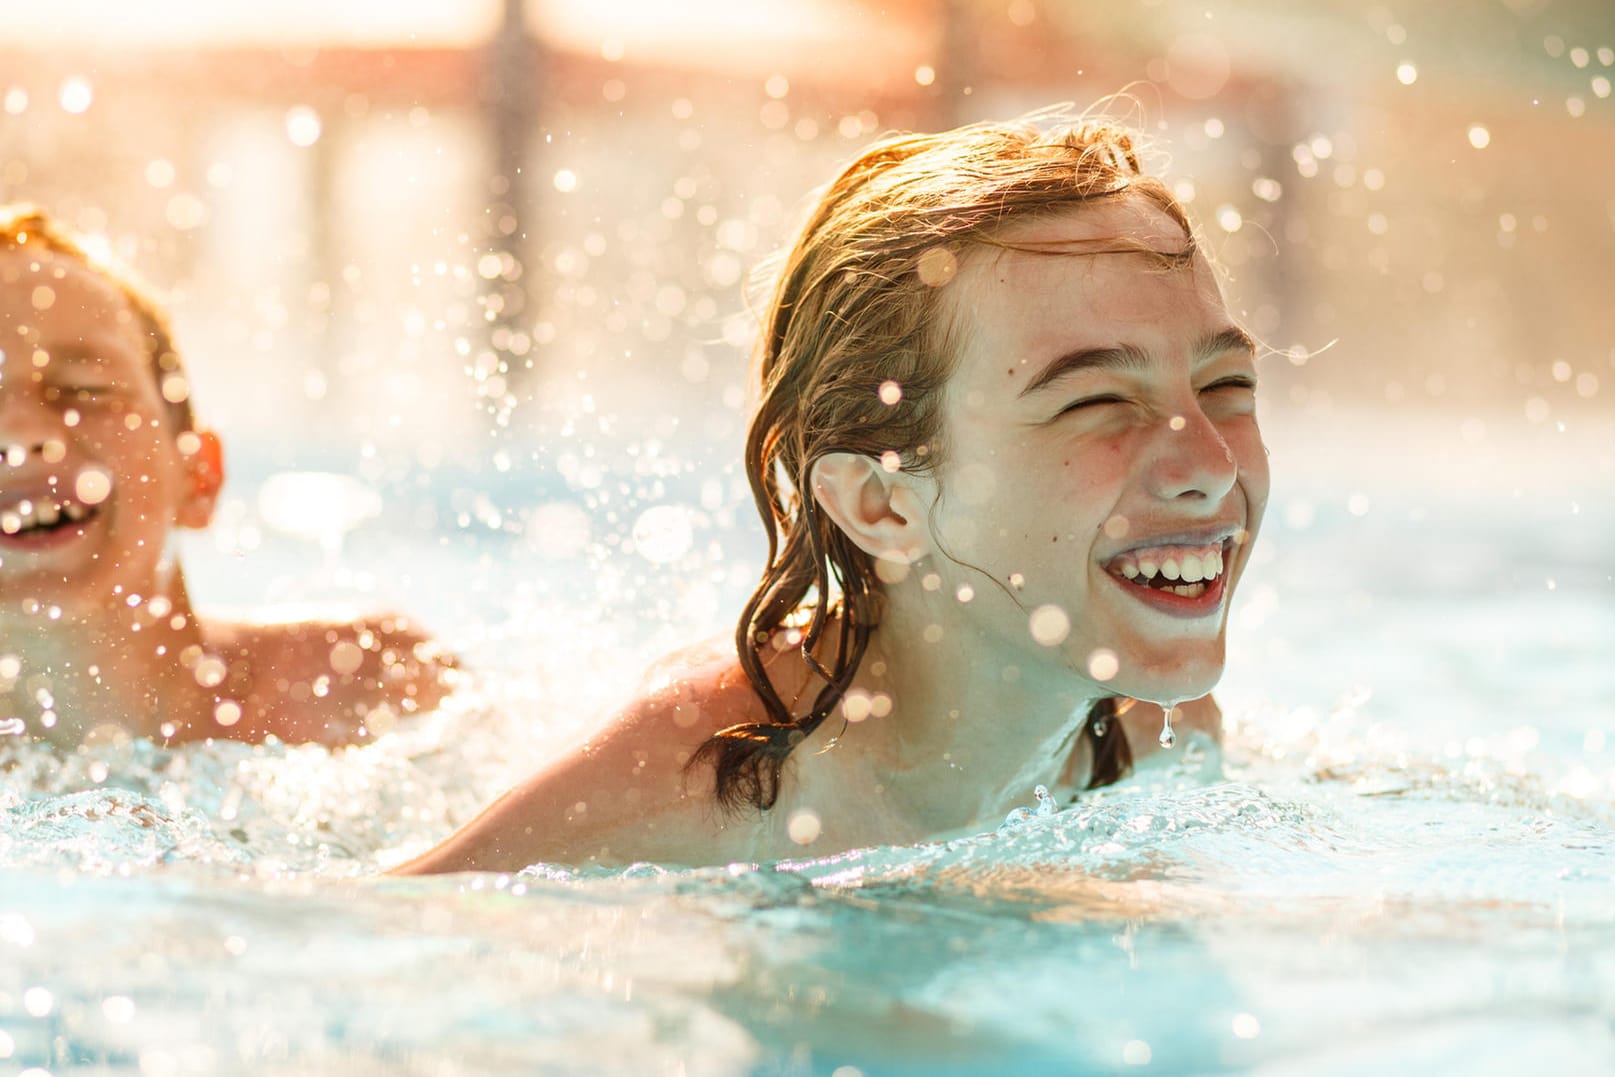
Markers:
(956, 733)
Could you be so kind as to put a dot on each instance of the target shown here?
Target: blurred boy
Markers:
(100, 458)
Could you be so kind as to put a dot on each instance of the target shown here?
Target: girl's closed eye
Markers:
(1091, 403)
(1242, 382)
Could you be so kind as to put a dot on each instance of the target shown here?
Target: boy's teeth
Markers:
(28, 515)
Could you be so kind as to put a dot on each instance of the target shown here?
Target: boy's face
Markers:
(1100, 424)
(91, 473)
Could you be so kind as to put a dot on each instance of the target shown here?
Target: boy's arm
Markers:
(322, 681)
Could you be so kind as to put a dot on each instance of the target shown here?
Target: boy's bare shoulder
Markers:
(328, 680)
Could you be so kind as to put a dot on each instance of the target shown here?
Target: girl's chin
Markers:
(1174, 686)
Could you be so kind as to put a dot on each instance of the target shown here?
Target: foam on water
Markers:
(210, 898)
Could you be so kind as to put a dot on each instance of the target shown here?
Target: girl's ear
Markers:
(881, 511)
(204, 469)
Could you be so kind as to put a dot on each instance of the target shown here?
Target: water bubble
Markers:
(16, 931)
(185, 212)
(92, 486)
(803, 827)
(1479, 136)
(210, 672)
(1267, 189)
(346, 657)
(12, 727)
(1050, 625)
(1407, 74)
(1246, 1026)
(302, 125)
(76, 95)
(160, 173)
(1103, 664)
(925, 74)
(38, 1001)
(1136, 1053)
(16, 101)
(1229, 219)
(890, 392)
(119, 1009)
(937, 266)
(566, 181)
(663, 534)
(1198, 66)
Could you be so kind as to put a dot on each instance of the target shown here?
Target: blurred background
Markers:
(473, 275)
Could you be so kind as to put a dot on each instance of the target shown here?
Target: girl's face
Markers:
(1103, 473)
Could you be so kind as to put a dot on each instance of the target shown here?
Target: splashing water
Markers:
(1043, 807)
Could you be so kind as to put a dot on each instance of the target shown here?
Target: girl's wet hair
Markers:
(26, 227)
(859, 303)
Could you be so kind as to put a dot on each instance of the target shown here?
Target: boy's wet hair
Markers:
(858, 303)
(26, 227)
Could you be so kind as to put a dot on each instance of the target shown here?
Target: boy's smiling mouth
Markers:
(36, 517)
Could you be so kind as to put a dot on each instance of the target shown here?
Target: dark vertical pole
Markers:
(510, 98)
(956, 68)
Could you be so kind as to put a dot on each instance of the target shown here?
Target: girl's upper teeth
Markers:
(1185, 564)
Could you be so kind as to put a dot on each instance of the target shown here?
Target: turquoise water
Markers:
(1400, 862)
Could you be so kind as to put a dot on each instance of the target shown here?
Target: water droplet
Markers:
(1168, 738)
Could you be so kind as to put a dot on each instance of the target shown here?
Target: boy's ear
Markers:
(881, 511)
(204, 471)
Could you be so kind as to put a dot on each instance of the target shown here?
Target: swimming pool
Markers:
(1400, 862)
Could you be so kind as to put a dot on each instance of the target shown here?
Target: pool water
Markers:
(1398, 861)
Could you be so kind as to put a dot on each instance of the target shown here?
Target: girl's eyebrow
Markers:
(1109, 357)
(1132, 357)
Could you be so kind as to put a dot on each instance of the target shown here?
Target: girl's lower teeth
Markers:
(1185, 590)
